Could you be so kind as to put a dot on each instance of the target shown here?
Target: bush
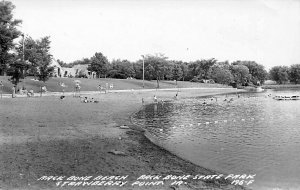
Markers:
(81, 74)
(116, 74)
(195, 79)
(211, 81)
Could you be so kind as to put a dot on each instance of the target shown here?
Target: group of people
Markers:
(155, 100)
(227, 99)
(83, 99)
(105, 89)
(87, 100)
(23, 91)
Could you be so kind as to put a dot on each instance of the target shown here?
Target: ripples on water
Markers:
(253, 134)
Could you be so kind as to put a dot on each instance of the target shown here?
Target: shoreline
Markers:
(36, 95)
(225, 183)
(281, 86)
(101, 133)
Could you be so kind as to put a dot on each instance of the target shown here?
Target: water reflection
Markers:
(252, 133)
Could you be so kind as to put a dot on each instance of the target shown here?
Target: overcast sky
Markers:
(267, 32)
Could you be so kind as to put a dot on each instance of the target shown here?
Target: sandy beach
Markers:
(47, 136)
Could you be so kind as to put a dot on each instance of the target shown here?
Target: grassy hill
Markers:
(92, 84)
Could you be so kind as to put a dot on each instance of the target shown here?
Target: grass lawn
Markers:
(92, 84)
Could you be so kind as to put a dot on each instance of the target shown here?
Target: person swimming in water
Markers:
(176, 96)
(85, 100)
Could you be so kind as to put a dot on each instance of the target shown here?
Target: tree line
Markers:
(284, 74)
(159, 67)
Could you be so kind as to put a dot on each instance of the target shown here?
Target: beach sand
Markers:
(47, 136)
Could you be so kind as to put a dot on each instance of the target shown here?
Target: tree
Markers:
(220, 73)
(8, 33)
(156, 66)
(280, 74)
(257, 72)
(149, 72)
(184, 69)
(200, 68)
(44, 59)
(99, 64)
(204, 66)
(15, 70)
(193, 70)
(84, 61)
(295, 73)
(121, 69)
(37, 54)
(168, 71)
(138, 69)
(240, 74)
(177, 71)
(31, 55)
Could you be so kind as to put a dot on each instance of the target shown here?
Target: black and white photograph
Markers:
(150, 94)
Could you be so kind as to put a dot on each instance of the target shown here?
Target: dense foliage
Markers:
(158, 67)
(99, 64)
(28, 57)
(8, 33)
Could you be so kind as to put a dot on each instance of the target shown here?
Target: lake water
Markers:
(253, 134)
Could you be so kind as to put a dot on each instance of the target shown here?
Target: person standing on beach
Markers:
(14, 91)
(1, 86)
(154, 99)
(100, 88)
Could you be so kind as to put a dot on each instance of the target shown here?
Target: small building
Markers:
(269, 82)
(75, 71)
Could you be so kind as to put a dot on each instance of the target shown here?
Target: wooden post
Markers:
(1, 86)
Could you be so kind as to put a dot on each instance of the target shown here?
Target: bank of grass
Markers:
(279, 86)
(53, 137)
(92, 84)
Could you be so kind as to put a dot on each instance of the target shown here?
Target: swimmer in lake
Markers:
(176, 96)
(85, 100)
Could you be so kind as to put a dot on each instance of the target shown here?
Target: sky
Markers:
(265, 31)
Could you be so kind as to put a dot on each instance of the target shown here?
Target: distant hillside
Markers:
(92, 84)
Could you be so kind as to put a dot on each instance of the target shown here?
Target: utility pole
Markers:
(1, 86)
(23, 47)
(143, 70)
(23, 56)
